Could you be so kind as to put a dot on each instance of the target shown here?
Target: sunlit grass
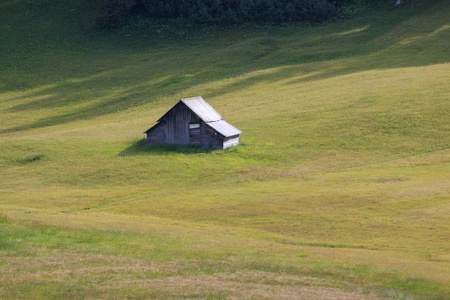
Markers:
(338, 189)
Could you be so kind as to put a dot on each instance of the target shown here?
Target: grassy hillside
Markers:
(339, 189)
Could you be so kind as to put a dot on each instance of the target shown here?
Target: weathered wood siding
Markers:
(211, 138)
(177, 124)
(195, 136)
(181, 125)
(157, 135)
(231, 141)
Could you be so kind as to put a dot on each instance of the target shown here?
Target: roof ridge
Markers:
(202, 109)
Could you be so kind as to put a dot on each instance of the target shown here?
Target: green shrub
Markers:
(29, 158)
(115, 13)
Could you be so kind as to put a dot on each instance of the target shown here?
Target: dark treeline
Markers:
(116, 13)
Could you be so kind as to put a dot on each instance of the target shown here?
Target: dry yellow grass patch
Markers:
(252, 286)
(102, 275)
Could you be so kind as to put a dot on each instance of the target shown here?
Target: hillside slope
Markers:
(339, 189)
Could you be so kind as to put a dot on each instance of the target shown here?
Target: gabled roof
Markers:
(224, 128)
(202, 109)
(208, 114)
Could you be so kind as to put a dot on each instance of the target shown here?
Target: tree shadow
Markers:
(79, 102)
(121, 77)
(371, 44)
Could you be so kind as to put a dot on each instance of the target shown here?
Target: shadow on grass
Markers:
(139, 147)
(124, 77)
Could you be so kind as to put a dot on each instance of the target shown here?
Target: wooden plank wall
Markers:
(208, 140)
(177, 124)
(195, 136)
(175, 130)
(157, 135)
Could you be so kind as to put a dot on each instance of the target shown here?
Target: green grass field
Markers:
(339, 189)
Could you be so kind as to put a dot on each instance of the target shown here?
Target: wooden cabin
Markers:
(193, 121)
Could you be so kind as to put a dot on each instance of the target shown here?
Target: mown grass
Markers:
(339, 188)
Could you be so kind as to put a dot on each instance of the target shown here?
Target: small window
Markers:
(194, 125)
(210, 131)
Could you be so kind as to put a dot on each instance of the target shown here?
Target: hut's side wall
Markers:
(157, 135)
(231, 141)
(209, 139)
(177, 124)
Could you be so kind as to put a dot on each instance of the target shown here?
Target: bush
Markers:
(115, 13)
